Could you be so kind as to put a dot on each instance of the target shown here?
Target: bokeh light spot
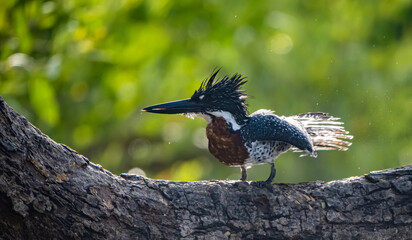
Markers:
(281, 43)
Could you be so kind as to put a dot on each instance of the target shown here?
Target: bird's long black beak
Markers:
(175, 107)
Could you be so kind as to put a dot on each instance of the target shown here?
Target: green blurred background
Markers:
(82, 70)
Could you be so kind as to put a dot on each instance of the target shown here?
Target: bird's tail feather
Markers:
(326, 131)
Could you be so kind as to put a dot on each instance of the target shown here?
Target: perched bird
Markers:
(239, 139)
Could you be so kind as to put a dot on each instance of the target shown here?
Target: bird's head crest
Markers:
(223, 94)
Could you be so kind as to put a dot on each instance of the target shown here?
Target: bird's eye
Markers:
(201, 97)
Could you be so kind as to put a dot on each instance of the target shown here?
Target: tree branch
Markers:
(48, 190)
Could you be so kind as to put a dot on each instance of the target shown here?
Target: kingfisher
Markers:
(239, 139)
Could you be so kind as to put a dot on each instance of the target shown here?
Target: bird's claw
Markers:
(261, 184)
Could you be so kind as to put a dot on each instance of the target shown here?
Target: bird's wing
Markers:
(265, 126)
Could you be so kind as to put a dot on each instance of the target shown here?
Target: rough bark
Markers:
(49, 191)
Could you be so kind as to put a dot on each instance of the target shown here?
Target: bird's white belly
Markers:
(264, 151)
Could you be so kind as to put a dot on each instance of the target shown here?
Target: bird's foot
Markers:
(262, 184)
(244, 175)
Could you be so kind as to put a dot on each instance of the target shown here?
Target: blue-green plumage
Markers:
(266, 126)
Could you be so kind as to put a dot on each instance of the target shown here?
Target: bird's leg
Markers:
(244, 175)
(272, 173)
